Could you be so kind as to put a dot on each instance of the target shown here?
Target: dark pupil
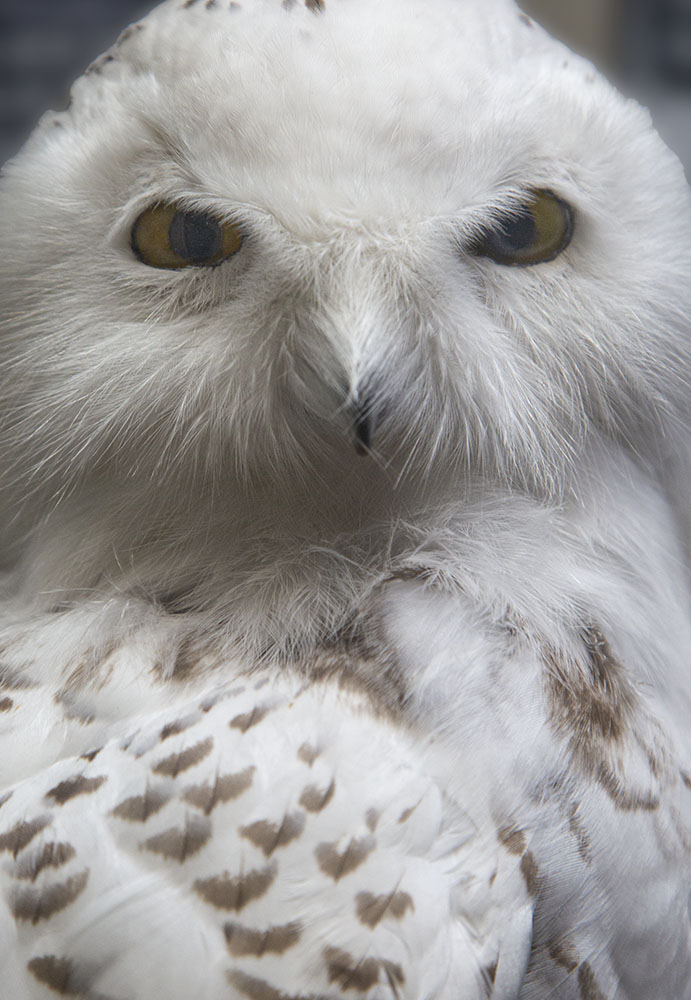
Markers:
(518, 232)
(194, 236)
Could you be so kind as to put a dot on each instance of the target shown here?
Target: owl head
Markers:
(327, 256)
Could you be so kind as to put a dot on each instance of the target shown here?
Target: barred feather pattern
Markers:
(344, 609)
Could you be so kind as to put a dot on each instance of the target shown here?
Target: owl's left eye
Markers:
(536, 232)
(171, 237)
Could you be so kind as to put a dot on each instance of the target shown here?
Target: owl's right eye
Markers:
(172, 237)
(534, 233)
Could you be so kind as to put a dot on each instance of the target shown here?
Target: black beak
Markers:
(364, 426)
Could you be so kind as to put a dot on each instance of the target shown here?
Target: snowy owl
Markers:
(345, 633)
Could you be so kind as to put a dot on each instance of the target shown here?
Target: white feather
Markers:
(481, 624)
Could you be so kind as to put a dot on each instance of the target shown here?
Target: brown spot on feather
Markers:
(407, 813)
(588, 984)
(563, 954)
(40, 904)
(187, 657)
(211, 700)
(225, 788)
(491, 972)
(275, 941)
(6, 704)
(513, 839)
(16, 839)
(259, 989)
(314, 799)
(72, 709)
(307, 754)
(53, 972)
(72, 787)
(593, 706)
(350, 974)
(173, 728)
(138, 808)
(372, 909)
(360, 659)
(530, 873)
(337, 863)
(623, 798)
(94, 658)
(227, 892)
(582, 836)
(129, 32)
(52, 855)
(172, 766)
(179, 844)
(372, 819)
(590, 700)
(270, 836)
(248, 719)
(13, 680)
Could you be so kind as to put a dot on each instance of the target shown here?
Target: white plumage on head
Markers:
(348, 343)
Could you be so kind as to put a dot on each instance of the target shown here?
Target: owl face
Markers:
(337, 241)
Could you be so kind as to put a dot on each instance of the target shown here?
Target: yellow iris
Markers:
(537, 231)
(171, 237)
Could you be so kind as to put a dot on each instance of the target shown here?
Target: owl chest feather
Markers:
(545, 725)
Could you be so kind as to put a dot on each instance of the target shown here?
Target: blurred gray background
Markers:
(645, 45)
